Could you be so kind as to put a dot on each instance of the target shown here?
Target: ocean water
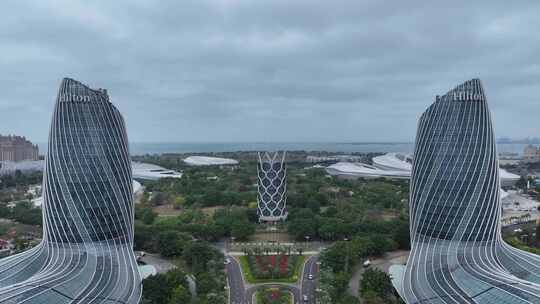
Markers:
(140, 148)
(159, 148)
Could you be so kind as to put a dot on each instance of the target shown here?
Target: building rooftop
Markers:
(209, 161)
(403, 162)
(146, 171)
(346, 169)
(395, 161)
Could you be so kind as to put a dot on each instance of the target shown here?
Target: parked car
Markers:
(366, 264)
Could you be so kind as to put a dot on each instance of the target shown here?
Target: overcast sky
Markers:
(272, 70)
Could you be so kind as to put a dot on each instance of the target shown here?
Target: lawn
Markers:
(271, 268)
(520, 245)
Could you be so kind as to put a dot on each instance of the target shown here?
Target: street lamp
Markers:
(232, 242)
(347, 255)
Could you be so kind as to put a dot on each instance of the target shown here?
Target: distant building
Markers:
(394, 161)
(209, 161)
(272, 186)
(509, 156)
(346, 170)
(144, 171)
(531, 154)
(333, 158)
(395, 166)
(17, 148)
(391, 163)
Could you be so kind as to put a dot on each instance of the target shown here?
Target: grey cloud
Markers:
(278, 70)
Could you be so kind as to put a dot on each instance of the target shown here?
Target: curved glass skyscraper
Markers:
(457, 254)
(272, 185)
(86, 255)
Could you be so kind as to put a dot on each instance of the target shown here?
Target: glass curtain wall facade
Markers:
(272, 186)
(457, 251)
(86, 255)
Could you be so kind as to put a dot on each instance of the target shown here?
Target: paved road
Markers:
(509, 230)
(236, 283)
(161, 264)
(242, 295)
(309, 286)
(384, 263)
(294, 290)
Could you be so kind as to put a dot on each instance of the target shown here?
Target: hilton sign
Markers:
(74, 97)
(463, 96)
(467, 96)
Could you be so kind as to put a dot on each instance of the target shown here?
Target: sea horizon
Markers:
(143, 148)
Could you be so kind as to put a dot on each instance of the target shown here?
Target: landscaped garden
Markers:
(273, 296)
(271, 268)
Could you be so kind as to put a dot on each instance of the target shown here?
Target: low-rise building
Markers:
(198, 160)
(17, 148)
(531, 154)
(333, 158)
(144, 171)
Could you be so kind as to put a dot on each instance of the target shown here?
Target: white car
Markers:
(227, 261)
(310, 277)
(140, 255)
(305, 298)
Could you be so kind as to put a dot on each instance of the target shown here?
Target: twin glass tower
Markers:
(457, 251)
(86, 255)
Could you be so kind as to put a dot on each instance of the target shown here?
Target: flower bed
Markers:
(271, 268)
(273, 296)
